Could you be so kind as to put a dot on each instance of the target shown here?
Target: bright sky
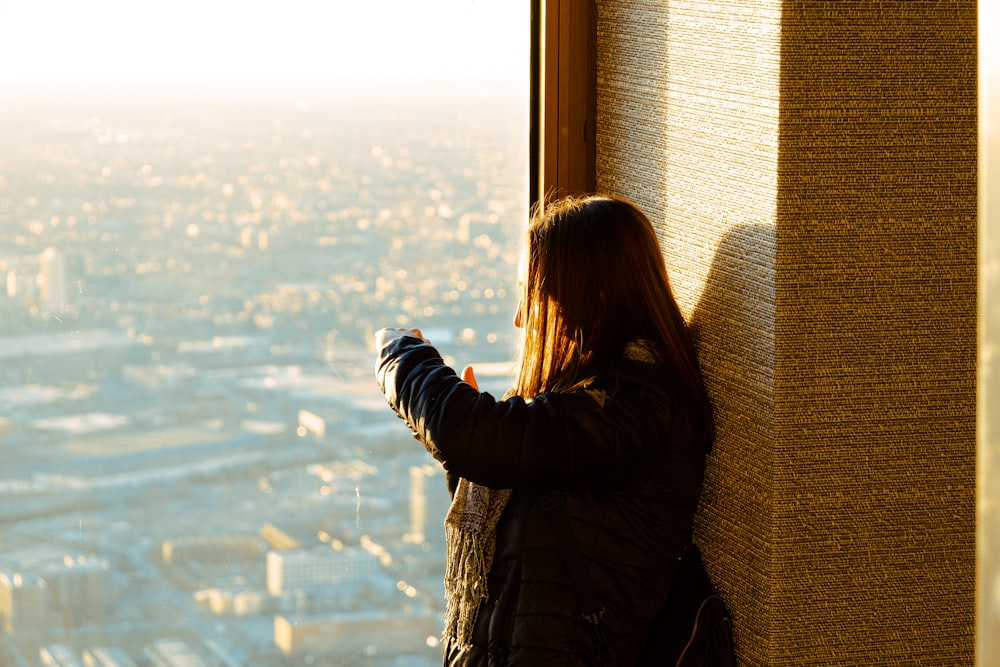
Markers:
(80, 41)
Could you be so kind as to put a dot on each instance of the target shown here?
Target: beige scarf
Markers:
(470, 529)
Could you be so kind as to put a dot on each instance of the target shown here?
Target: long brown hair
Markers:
(594, 280)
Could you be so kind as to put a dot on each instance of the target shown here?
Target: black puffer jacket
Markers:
(630, 463)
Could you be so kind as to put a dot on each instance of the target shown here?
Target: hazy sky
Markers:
(80, 41)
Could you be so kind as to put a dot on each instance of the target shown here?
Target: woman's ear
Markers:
(517, 314)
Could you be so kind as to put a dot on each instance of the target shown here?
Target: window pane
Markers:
(198, 464)
(988, 613)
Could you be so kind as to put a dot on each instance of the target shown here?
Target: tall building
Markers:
(20, 281)
(52, 288)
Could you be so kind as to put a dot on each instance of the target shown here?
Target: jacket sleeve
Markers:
(583, 440)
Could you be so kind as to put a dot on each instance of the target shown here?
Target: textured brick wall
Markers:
(811, 167)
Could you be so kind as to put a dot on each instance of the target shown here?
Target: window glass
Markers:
(988, 594)
(205, 214)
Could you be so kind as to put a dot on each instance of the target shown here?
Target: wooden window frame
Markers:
(563, 99)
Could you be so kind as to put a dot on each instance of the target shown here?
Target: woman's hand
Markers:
(385, 336)
(470, 377)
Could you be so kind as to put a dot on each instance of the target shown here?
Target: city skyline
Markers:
(187, 300)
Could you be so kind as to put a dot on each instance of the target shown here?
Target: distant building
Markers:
(212, 548)
(172, 653)
(428, 505)
(20, 282)
(52, 283)
(79, 589)
(222, 602)
(107, 656)
(278, 539)
(249, 237)
(353, 631)
(303, 569)
(59, 655)
(23, 602)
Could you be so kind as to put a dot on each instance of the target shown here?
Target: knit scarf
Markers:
(470, 530)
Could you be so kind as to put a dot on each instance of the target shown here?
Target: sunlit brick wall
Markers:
(811, 168)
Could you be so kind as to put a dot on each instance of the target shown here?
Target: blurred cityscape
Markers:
(199, 468)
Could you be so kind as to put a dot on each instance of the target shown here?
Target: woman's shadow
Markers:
(734, 328)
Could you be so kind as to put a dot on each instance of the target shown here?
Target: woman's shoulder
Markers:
(641, 351)
(639, 365)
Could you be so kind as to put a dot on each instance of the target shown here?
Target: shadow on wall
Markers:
(733, 325)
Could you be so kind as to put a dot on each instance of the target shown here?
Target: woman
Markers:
(608, 422)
